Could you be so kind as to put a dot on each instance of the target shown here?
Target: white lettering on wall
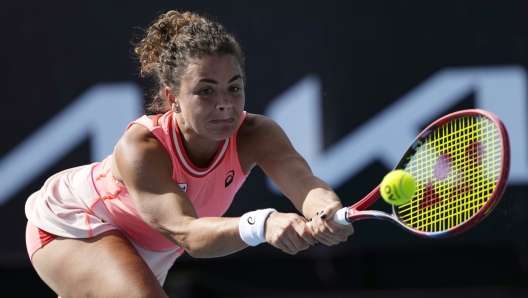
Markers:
(501, 90)
(101, 114)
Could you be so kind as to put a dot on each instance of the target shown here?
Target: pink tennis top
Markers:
(211, 190)
(86, 201)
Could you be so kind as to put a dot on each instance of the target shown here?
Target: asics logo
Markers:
(251, 220)
(229, 178)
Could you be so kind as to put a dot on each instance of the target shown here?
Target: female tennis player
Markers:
(114, 228)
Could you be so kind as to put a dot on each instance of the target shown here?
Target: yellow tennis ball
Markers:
(397, 187)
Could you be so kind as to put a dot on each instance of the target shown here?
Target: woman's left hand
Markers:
(325, 230)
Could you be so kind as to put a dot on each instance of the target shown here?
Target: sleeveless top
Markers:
(85, 201)
(211, 190)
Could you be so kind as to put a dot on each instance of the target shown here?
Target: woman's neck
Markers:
(199, 150)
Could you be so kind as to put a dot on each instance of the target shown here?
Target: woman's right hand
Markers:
(288, 232)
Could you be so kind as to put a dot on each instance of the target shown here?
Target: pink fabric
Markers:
(86, 201)
(210, 194)
(36, 238)
(210, 189)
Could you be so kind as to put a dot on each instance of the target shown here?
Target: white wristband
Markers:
(251, 226)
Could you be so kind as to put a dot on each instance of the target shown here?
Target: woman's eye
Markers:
(206, 91)
(235, 89)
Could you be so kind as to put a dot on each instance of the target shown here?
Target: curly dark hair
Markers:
(171, 42)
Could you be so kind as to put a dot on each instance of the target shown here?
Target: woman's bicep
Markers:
(277, 157)
(145, 168)
(289, 170)
(147, 173)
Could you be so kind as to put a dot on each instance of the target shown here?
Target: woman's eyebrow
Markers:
(207, 80)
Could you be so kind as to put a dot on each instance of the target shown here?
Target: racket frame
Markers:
(357, 211)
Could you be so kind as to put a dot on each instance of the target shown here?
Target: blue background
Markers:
(366, 53)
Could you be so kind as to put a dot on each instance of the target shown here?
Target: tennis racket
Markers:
(460, 164)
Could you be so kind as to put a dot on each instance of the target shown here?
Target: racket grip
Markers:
(340, 217)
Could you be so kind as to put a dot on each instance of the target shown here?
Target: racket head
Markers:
(461, 166)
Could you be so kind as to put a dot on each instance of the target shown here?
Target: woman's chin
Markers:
(224, 135)
(223, 131)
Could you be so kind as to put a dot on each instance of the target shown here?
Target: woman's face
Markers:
(211, 98)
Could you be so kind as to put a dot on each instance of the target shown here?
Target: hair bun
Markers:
(160, 32)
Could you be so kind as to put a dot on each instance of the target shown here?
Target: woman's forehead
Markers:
(213, 66)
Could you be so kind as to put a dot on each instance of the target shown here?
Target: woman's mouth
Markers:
(223, 121)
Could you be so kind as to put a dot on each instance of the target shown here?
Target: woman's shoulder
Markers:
(138, 138)
(259, 138)
(258, 132)
(255, 122)
(138, 133)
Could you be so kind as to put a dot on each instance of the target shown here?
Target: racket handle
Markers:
(340, 217)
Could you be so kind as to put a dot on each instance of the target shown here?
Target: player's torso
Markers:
(211, 189)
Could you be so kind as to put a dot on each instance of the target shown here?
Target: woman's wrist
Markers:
(252, 224)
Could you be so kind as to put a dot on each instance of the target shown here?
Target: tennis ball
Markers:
(397, 187)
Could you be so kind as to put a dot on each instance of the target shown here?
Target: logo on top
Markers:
(229, 178)
(183, 186)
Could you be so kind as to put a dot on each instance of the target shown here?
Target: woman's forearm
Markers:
(207, 237)
(318, 196)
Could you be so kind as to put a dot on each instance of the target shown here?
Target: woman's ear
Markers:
(171, 98)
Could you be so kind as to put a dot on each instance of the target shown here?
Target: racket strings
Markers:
(456, 169)
(459, 214)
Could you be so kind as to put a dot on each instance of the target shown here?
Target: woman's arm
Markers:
(265, 143)
(145, 168)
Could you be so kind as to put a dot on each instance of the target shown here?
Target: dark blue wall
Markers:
(367, 54)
